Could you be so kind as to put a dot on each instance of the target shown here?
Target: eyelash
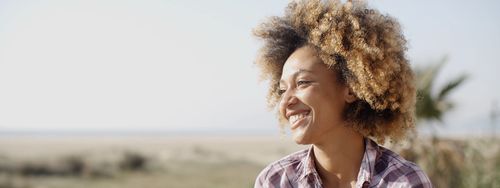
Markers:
(299, 83)
(281, 91)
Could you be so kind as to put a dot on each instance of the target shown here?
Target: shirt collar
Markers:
(366, 169)
(307, 166)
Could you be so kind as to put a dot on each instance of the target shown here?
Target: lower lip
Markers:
(298, 123)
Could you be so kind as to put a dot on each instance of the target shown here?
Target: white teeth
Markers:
(297, 117)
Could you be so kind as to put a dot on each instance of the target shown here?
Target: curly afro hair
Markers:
(365, 47)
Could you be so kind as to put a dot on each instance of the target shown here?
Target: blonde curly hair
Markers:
(366, 48)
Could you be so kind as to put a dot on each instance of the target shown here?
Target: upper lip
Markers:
(294, 112)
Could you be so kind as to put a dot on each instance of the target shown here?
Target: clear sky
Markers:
(188, 65)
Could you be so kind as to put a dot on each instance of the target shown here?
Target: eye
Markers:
(302, 82)
(281, 91)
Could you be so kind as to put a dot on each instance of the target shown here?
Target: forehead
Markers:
(304, 59)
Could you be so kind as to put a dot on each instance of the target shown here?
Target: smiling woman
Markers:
(340, 78)
(309, 97)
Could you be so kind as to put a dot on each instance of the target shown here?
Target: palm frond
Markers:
(431, 105)
(450, 86)
(427, 75)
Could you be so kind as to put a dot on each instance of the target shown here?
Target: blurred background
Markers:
(113, 93)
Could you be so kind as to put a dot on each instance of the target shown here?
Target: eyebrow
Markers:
(298, 72)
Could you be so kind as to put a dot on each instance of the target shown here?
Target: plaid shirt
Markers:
(380, 167)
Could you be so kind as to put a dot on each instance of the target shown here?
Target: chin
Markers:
(301, 142)
(299, 138)
(301, 135)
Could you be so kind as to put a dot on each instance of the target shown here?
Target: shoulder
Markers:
(393, 169)
(286, 167)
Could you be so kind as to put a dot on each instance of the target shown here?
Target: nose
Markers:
(288, 100)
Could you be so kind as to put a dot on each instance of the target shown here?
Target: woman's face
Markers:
(312, 100)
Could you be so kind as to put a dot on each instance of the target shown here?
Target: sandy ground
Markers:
(178, 161)
(259, 149)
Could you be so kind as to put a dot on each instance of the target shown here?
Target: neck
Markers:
(338, 158)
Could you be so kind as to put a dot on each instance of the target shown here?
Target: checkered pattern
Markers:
(380, 167)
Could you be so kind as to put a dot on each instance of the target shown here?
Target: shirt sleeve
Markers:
(417, 179)
(260, 181)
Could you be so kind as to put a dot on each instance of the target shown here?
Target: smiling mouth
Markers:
(297, 119)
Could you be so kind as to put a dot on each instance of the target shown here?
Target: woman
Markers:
(340, 79)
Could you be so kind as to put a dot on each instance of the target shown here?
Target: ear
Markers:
(349, 95)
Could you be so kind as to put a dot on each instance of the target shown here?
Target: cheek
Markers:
(314, 97)
(327, 104)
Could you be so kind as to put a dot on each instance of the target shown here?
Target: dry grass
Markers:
(464, 162)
